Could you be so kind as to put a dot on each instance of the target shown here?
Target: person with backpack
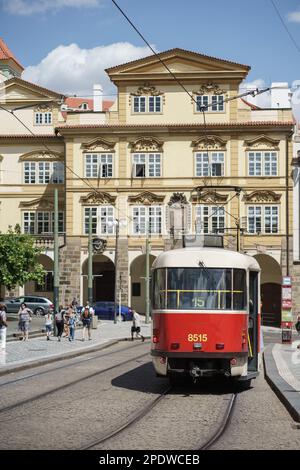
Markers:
(136, 326)
(3, 326)
(59, 321)
(86, 318)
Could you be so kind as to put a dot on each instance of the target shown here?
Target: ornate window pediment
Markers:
(147, 90)
(210, 89)
(146, 198)
(98, 145)
(262, 142)
(97, 198)
(146, 144)
(210, 142)
(178, 199)
(42, 155)
(262, 196)
(40, 203)
(210, 197)
(43, 108)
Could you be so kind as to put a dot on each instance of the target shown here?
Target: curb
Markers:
(284, 391)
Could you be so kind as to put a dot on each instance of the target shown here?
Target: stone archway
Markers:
(45, 288)
(137, 276)
(103, 281)
(270, 282)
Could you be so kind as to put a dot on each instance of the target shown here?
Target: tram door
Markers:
(253, 321)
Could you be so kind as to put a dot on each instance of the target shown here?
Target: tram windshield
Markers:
(199, 289)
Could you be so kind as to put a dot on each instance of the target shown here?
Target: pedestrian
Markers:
(3, 326)
(72, 323)
(48, 324)
(136, 326)
(66, 323)
(59, 321)
(24, 320)
(297, 326)
(86, 318)
(74, 302)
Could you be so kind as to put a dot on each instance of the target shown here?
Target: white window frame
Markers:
(152, 104)
(103, 218)
(264, 212)
(210, 219)
(98, 162)
(214, 103)
(36, 222)
(204, 162)
(152, 162)
(43, 172)
(43, 119)
(147, 218)
(262, 163)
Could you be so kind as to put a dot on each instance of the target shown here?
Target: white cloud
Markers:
(294, 17)
(263, 100)
(70, 69)
(30, 7)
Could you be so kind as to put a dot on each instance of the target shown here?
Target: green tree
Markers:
(19, 259)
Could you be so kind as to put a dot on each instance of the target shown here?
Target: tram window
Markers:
(239, 289)
(159, 288)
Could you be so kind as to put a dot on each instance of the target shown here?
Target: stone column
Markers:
(70, 271)
(123, 269)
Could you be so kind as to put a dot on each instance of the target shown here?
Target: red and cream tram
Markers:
(206, 313)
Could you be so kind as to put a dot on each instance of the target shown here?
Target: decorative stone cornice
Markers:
(262, 142)
(42, 155)
(97, 198)
(146, 144)
(209, 196)
(178, 198)
(98, 144)
(43, 108)
(210, 142)
(40, 203)
(146, 198)
(262, 196)
(210, 89)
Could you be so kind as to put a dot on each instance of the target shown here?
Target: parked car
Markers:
(106, 311)
(39, 305)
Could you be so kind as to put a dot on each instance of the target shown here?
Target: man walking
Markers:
(136, 326)
(86, 318)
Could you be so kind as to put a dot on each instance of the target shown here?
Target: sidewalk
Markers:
(282, 372)
(37, 351)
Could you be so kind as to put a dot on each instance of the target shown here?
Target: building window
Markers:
(262, 164)
(136, 289)
(99, 165)
(42, 223)
(84, 106)
(102, 220)
(213, 103)
(210, 164)
(146, 165)
(43, 172)
(210, 219)
(263, 219)
(151, 214)
(147, 104)
(43, 118)
(47, 283)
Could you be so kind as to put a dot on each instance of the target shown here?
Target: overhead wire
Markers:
(285, 26)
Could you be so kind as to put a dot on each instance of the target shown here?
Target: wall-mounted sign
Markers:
(286, 281)
(286, 316)
(286, 293)
(286, 304)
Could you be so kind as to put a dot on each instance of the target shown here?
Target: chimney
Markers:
(280, 95)
(97, 95)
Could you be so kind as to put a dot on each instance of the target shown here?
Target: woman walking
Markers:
(48, 324)
(24, 319)
(3, 326)
(72, 322)
(59, 321)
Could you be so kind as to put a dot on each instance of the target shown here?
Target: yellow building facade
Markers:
(159, 165)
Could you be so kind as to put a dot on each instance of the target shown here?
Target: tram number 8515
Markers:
(194, 337)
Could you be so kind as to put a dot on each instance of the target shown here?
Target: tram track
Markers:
(47, 393)
(65, 366)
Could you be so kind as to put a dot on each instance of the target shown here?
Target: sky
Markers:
(65, 45)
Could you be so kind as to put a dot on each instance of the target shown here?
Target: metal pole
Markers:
(90, 261)
(147, 277)
(120, 296)
(116, 272)
(56, 261)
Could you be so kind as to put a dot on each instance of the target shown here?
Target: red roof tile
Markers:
(5, 53)
(74, 102)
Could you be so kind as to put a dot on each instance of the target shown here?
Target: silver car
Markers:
(39, 305)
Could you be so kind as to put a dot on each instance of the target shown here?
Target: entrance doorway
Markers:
(103, 281)
(137, 276)
(270, 290)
